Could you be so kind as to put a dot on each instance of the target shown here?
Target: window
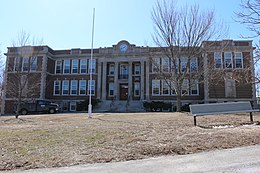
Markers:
(173, 92)
(33, 62)
(193, 64)
(137, 69)
(83, 66)
(194, 88)
(185, 87)
(218, 60)
(25, 64)
(111, 89)
(183, 64)
(156, 65)
(74, 87)
(72, 106)
(91, 87)
(124, 71)
(56, 87)
(75, 64)
(155, 87)
(165, 64)
(58, 67)
(175, 65)
(136, 89)
(165, 87)
(17, 64)
(228, 60)
(93, 66)
(238, 60)
(66, 66)
(111, 69)
(82, 87)
(65, 87)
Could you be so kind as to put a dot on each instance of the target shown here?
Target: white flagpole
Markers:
(90, 74)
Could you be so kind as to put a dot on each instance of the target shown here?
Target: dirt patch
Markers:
(70, 139)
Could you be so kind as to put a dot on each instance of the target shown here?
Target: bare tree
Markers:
(180, 32)
(23, 80)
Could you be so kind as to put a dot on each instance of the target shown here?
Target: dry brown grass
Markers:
(69, 139)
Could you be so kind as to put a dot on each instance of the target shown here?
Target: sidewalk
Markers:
(244, 159)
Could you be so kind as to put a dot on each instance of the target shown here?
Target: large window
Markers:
(74, 87)
(75, 64)
(194, 88)
(82, 87)
(228, 60)
(156, 65)
(65, 87)
(25, 63)
(173, 92)
(165, 64)
(183, 64)
(58, 67)
(185, 87)
(56, 87)
(165, 87)
(33, 62)
(155, 87)
(124, 71)
(193, 64)
(136, 89)
(137, 69)
(111, 89)
(91, 87)
(83, 66)
(111, 69)
(238, 60)
(218, 60)
(93, 66)
(17, 64)
(66, 66)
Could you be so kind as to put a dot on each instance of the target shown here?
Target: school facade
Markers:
(124, 74)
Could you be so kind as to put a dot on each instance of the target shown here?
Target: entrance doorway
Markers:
(123, 91)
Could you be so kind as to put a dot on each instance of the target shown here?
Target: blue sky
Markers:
(65, 24)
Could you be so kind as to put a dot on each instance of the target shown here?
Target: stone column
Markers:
(147, 81)
(142, 80)
(104, 82)
(99, 80)
(116, 81)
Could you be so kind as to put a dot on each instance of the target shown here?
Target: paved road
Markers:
(237, 160)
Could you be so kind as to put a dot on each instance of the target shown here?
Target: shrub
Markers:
(83, 105)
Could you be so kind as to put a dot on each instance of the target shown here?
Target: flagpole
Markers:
(90, 74)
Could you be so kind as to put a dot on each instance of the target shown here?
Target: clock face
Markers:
(123, 47)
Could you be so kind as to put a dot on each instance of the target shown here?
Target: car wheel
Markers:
(52, 111)
(24, 111)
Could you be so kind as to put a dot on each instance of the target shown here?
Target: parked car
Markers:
(39, 106)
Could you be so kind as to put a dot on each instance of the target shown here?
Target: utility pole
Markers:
(90, 74)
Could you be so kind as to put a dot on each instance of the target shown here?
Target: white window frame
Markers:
(66, 65)
(111, 87)
(156, 65)
(83, 63)
(91, 87)
(165, 64)
(73, 87)
(112, 69)
(173, 92)
(137, 86)
(124, 71)
(56, 65)
(184, 62)
(26, 63)
(75, 66)
(33, 63)
(165, 85)
(93, 65)
(194, 86)
(156, 84)
(54, 87)
(185, 87)
(226, 58)
(82, 87)
(217, 57)
(137, 69)
(63, 84)
(195, 61)
(241, 58)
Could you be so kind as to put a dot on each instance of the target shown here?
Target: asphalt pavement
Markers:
(236, 160)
